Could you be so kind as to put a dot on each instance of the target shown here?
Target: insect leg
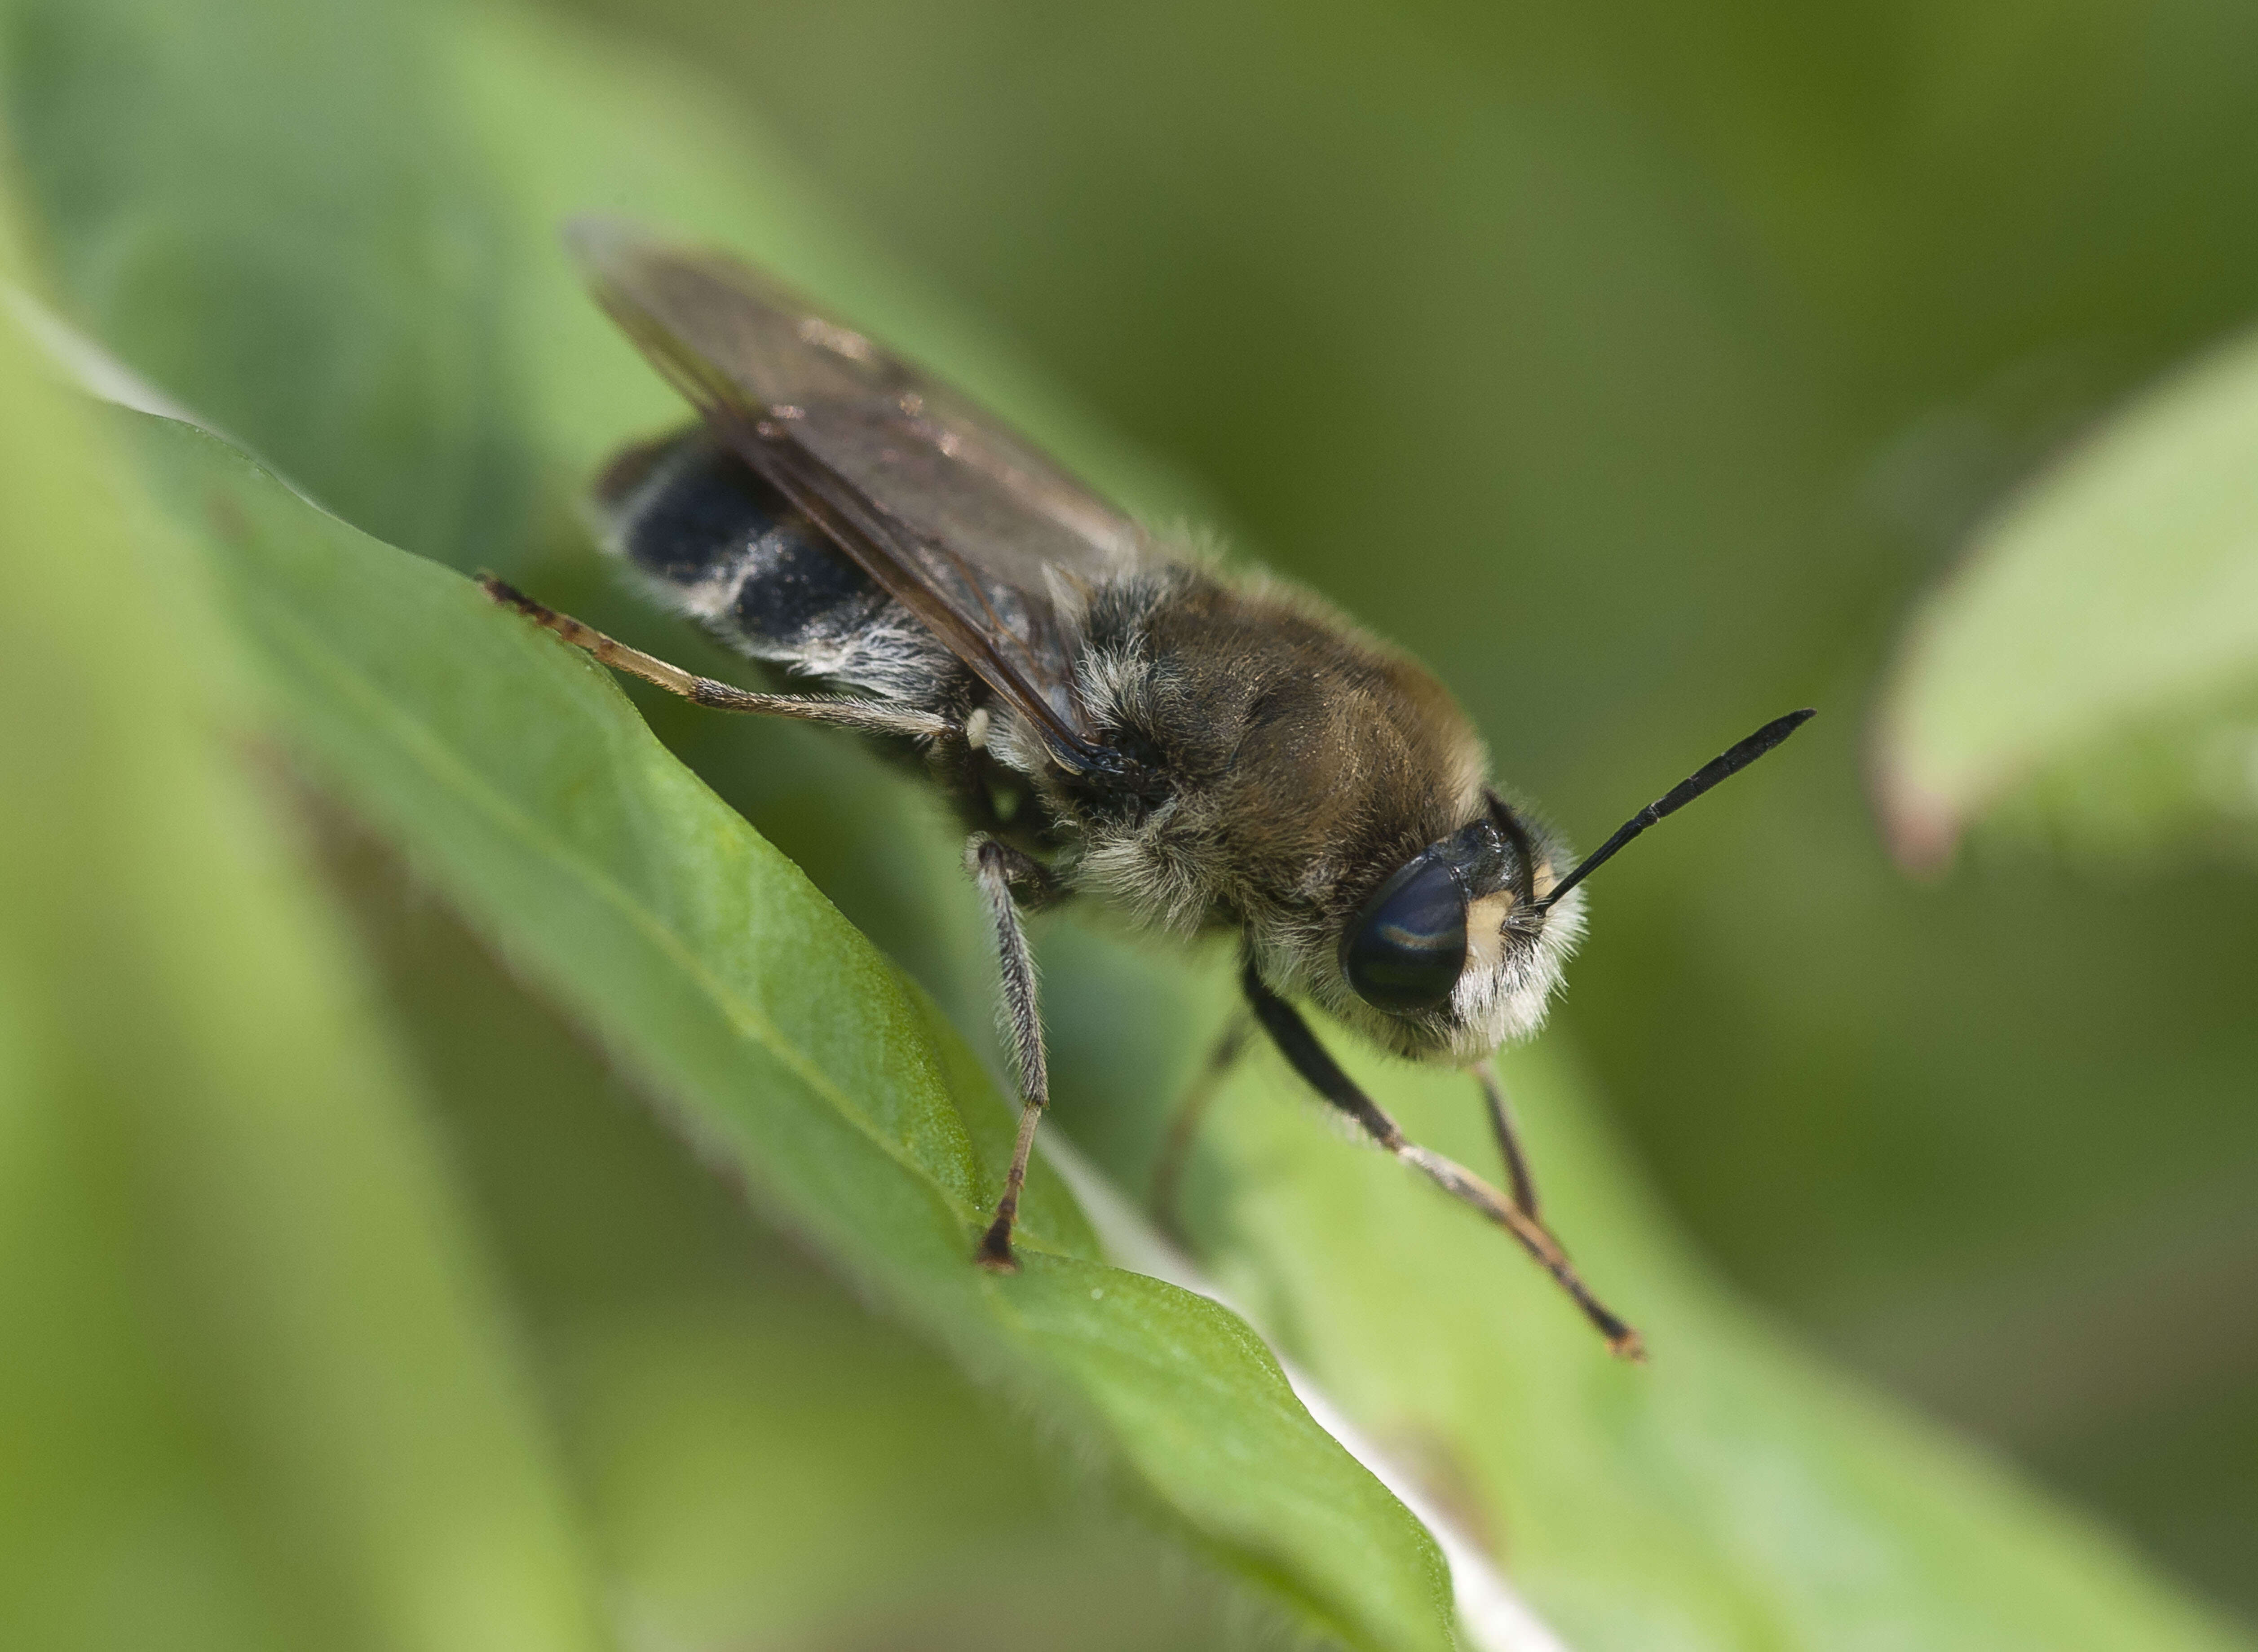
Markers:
(1509, 1140)
(875, 717)
(1299, 1046)
(997, 866)
(1184, 1122)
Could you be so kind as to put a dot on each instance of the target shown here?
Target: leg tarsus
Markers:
(1461, 1183)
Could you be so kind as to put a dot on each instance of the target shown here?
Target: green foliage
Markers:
(265, 202)
(260, 1391)
(388, 191)
(2099, 652)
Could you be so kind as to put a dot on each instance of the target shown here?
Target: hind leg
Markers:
(869, 716)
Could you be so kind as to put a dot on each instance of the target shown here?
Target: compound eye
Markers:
(1407, 947)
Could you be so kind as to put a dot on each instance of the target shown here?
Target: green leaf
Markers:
(762, 1458)
(572, 121)
(2098, 653)
(521, 780)
(257, 1391)
(265, 210)
(1730, 1494)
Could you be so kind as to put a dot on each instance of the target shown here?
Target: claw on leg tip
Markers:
(995, 1252)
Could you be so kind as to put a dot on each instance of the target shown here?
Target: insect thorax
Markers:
(1298, 759)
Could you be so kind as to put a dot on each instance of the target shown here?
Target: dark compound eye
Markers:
(1407, 945)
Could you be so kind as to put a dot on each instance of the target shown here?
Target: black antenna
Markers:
(1684, 792)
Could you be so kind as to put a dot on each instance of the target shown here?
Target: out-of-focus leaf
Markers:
(521, 780)
(268, 209)
(2098, 650)
(1730, 1495)
(570, 121)
(256, 1391)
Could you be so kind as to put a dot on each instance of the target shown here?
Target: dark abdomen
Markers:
(722, 544)
(717, 542)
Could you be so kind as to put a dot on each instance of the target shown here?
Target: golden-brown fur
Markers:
(1305, 762)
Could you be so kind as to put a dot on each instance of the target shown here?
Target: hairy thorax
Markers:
(1298, 762)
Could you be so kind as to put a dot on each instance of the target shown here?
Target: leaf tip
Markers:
(1921, 824)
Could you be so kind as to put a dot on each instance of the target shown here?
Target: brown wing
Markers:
(962, 522)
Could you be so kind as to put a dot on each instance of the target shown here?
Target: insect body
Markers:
(1111, 719)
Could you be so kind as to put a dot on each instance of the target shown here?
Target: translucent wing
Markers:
(966, 526)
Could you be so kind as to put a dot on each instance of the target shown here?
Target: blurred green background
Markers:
(1638, 366)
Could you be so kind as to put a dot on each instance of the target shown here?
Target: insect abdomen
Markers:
(725, 546)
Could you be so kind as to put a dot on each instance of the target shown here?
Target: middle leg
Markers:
(1183, 1123)
(997, 866)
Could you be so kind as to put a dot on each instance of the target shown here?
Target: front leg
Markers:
(1299, 1046)
(1509, 1140)
(997, 866)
